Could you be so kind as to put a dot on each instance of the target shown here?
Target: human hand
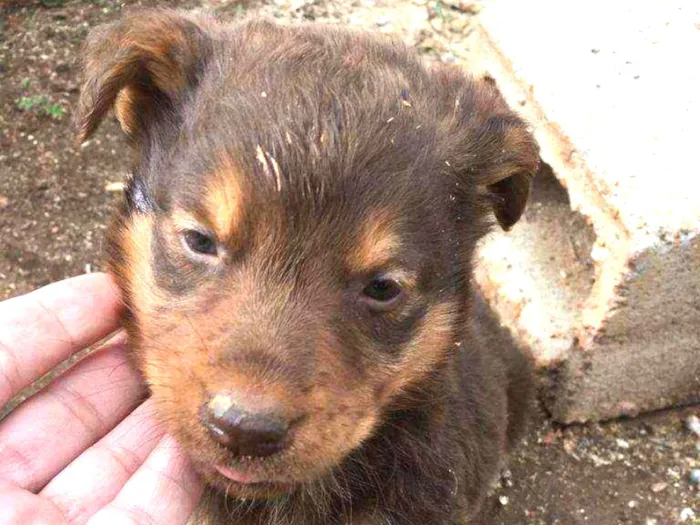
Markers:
(85, 449)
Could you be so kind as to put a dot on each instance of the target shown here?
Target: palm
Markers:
(85, 448)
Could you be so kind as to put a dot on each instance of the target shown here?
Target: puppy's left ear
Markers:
(495, 150)
(508, 177)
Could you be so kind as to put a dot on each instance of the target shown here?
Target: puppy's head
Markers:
(295, 241)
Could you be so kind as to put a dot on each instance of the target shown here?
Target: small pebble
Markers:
(695, 476)
(658, 487)
(503, 500)
(506, 478)
(114, 186)
(687, 514)
(632, 504)
(693, 424)
(622, 443)
(569, 446)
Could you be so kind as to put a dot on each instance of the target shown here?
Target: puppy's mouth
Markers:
(239, 476)
(250, 483)
(249, 479)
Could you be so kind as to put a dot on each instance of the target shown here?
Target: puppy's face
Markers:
(294, 245)
(320, 316)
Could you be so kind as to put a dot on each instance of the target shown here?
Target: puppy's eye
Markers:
(382, 292)
(199, 242)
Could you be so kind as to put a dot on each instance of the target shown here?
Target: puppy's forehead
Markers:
(360, 222)
(308, 144)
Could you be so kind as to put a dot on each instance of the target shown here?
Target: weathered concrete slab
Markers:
(602, 280)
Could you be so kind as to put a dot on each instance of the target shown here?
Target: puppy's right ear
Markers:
(141, 66)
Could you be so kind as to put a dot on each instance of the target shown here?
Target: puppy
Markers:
(294, 252)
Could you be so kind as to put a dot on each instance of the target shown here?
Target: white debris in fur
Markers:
(276, 169)
(269, 165)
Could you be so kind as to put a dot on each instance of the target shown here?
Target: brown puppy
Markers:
(294, 252)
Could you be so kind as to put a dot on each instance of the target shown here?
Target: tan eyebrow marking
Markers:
(224, 199)
(377, 243)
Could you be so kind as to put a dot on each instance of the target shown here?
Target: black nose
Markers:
(244, 432)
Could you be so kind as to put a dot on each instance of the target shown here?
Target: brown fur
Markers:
(376, 244)
(224, 201)
(318, 159)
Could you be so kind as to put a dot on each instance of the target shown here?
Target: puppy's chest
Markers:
(369, 516)
(364, 518)
(450, 510)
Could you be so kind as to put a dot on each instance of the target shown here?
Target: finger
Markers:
(164, 490)
(95, 477)
(19, 507)
(49, 430)
(41, 329)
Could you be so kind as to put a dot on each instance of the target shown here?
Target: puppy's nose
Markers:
(244, 431)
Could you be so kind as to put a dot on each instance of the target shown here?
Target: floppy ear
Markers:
(509, 163)
(141, 66)
(492, 147)
(507, 156)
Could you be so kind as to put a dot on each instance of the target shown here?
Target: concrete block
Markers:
(601, 280)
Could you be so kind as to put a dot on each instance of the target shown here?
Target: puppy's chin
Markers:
(230, 485)
(255, 481)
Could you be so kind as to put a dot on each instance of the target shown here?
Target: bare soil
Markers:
(56, 197)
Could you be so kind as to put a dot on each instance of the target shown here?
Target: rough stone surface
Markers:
(603, 282)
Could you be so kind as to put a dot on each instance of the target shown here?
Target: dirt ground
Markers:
(55, 200)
